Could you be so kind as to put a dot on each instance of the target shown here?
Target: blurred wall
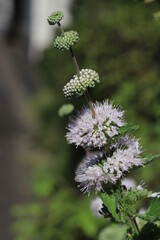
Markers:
(24, 32)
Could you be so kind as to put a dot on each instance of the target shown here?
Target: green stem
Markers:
(134, 225)
(86, 94)
(60, 26)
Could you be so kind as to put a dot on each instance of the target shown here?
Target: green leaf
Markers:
(127, 128)
(113, 231)
(110, 200)
(153, 212)
(148, 158)
(65, 109)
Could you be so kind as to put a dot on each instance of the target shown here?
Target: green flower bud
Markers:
(66, 40)
(78, 85)
(55, 17)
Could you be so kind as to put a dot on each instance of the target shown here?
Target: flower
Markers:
(120, 162)
(55, 17)
(97, 168)
(88, 174)
(79, 84)
(129, 142)
(89, 132)
(96, 205)
(66, 40)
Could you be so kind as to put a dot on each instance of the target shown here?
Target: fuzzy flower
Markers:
(90, 132)
(78, 85)
(129, 142)
(66, 40)
(98, 169)
(96, 205)
(89, 175)
(55, 17)
(121, 162)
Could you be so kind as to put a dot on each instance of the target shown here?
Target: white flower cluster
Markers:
(66, 40)
(98, 169)
(79, 84)
(90, 132)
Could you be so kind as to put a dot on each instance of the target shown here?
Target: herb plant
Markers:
(111, 150)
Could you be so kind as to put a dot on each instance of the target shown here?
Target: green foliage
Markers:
(113, 232)
(110, 200)
(153, 212)
(148, 158)
(44, 220)
(128, 128)
(65, 109)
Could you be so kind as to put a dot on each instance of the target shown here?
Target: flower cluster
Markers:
(55, 17)
(66, 40)
(98, 169)
(90, 132)
(79, 84)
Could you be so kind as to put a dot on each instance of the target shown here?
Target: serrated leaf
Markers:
(148, 158)
(153, 212)
(110, 200)
(128, 128)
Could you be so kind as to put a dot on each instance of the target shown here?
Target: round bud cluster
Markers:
(55, 17)
(66, 40)
(79, 84)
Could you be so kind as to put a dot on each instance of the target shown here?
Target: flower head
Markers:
(55, 17)
(89, 175)
(90, 132)
(79, 84)
(66, 40)
(98, 168)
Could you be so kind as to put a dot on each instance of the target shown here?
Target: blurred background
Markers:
(120, 40)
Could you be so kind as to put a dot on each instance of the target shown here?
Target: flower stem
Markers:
(134, 224)
(86, 94)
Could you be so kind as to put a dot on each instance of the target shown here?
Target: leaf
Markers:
(113, 231)
(110, 200)
(127, 128)
(148, 158)
(65, 109)
(153, 212)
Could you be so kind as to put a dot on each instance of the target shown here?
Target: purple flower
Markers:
(90, 132)
(98, 168)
